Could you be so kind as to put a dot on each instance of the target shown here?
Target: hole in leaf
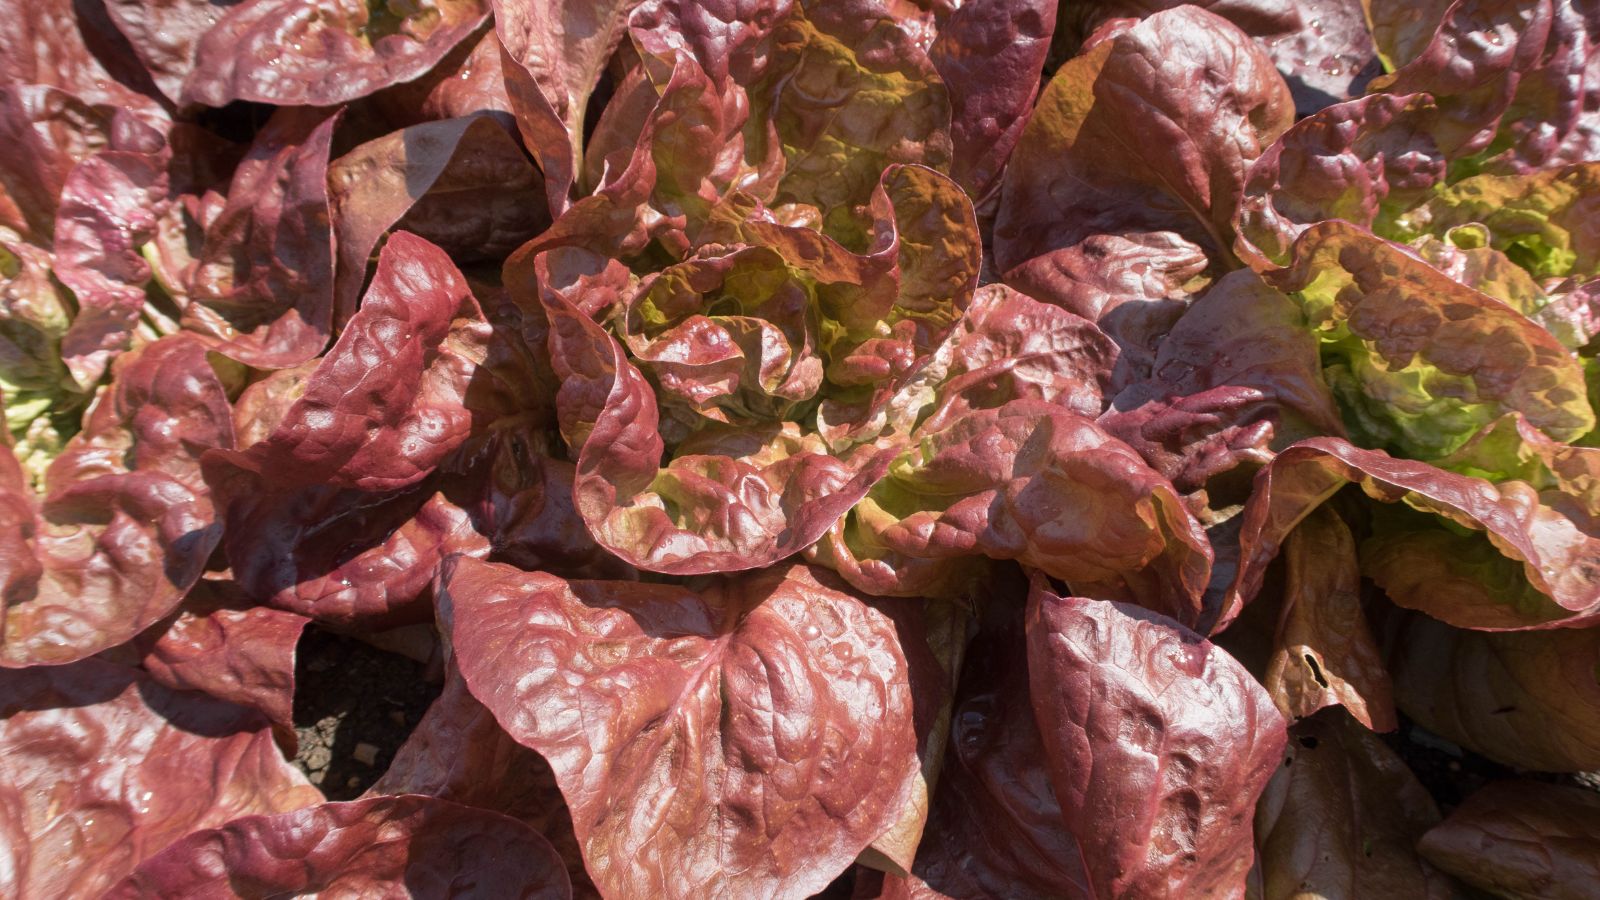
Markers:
(1316, 670)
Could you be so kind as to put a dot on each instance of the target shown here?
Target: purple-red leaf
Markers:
(1341, 818)
(1522, 840)
(750, 738)
(461, 182)
(1323, 652)
(125, 525)
(1498, 556)
(1162, 118)
(458, 752)
(104, 767)
(326, 514)
(1033, 482)
(1526, 699)
(220, 644)
(1158, 744)
(109, 208)
(262, 291)
(989, 53)
(411, 846)
(299, 53)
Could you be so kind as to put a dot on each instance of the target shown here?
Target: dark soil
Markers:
(354, 705)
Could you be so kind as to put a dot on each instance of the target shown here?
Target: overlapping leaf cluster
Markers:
(888, 448)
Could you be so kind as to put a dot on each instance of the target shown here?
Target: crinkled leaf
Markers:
(1546, 221)
(836, 92)
(292, 53)
(328, 514)
(105, 767)
(109, 207)
(933, 637)
(1009, 346)
(1162, 119)
(1033, 482)
(1508, 75)
(555, 52)
(520, 499)
(749, 738)
(1365, 161)
(45, 132)
(1418, 361)
(461, 182)
(1158, 744)
(1235, 379)
(381, 846)
(49, 43)
(262, 292)
(989, 53)
(41, 408)
(1341, 818)
(1521, 840)
(469, 81)
(739, 500)
(1467, 550)
(387, 403)
(347, 558)
(125, 525)
(1530, 700)
(1321, 47)
(994, 828)
(165, 33)
(221, 644)
(458, 752)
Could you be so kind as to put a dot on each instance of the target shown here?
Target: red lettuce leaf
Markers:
(1459, 547)
(1529, 699)
(71, 46)
(381, 846)
(554, 55)
(1167, 157)
(1508, 76)
(125, 525)
(220, 644)
(814, 101)
(109, 207)
(1236, 379)
(1158, 744)
(995, 827)
(1365, 161)
(458, 752)
(292, 53)
(105, 767)
(989, 53)
(753, 737)
(1341, 818)
(387, 403)
(1009, 346)
(262, 291)
(755, 499)
(462, 183)
(1032, 482)
(467, 82)
(331, 514)
(163, 34)
(1419, 361)
(1522, 840)
(1323, 652)
(44, 133)
(1321, 47)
